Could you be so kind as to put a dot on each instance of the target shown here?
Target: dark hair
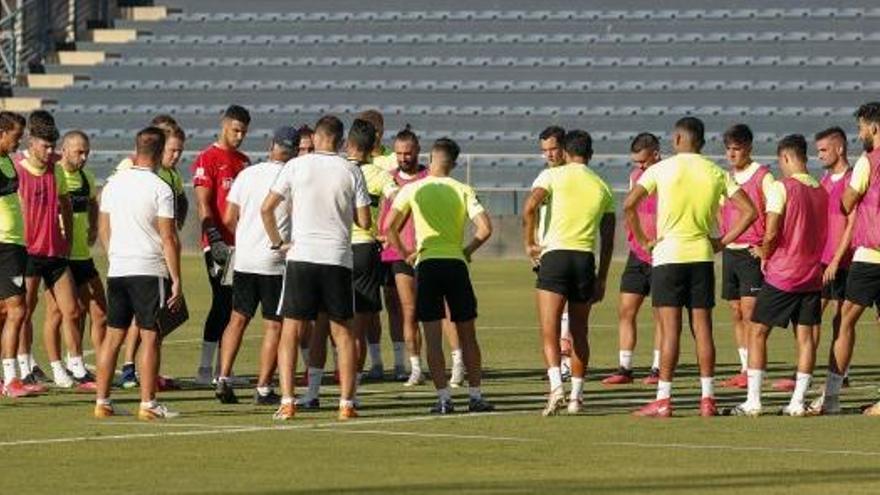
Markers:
(578, 143)
(305, 130)
(10, 121)
(831, 131)
(795, 143)
(554, 131)
(362, 135)
(150, 142)
(238, 113)
(76, 133)
(173, 131)
(694, 128)
(644, 141)
(869, 111)
(448, 147)
(738, 134)
(406, 134)
(331, 126)
(41, 125)
(374, 117)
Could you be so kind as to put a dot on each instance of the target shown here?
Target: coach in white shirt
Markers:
(327, 195)
(137, 229)
(258, 270)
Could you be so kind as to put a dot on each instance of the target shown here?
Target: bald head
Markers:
(75, 150)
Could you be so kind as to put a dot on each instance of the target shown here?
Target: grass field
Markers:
(53, 445)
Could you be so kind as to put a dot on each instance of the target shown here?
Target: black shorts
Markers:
(393, 268)
(778, 308)
(312, 288)
(836, 290)
(740, 274)
(252, 289)
(569, 273)
(683, 285)
(636, 277)
(137, 297)
(49, 269)
(441, 283)
(367, 276)
(13, 263)
(83, 271)
(863, 284)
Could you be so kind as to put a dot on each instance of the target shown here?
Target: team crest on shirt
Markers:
(200, 171)
(227, 183)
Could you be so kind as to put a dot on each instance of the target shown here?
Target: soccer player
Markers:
(689, 188)
(213, 171)
(48, 224)
(582, 207)
(367, 269)
(635, 282)
(13, 258)
(258, 271)
(381, 156)
(440, 207)
(400, 291)
(791, 294)
(83, 198)
(327, 194)
(137, 229)
(862, 195)
(741, 277)
(306, 144)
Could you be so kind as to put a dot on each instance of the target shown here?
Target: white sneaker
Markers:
(554, 404)
(63, 380)
(794, 410)
(204, 376)
(457, 378)
(159, 411)
(746, 409)
(565, 368)
(415, 379)
(575, 406)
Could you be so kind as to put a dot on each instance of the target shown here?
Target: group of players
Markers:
(315, 236)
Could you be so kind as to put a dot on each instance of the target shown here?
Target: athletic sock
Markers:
(264, 391)
(375, 354)
(305, 356)
(399, 354)
(457, 359)
(8, 371)
(345, 403)
(208, 350)
(565, 332)
(102, 402)
(444, 395)
(656, 363)
(415, 364)
(286, 401)
(24, 365)
(577, 388)
(625, 359)
(474, 393)
(743, 358)
(315, 377)
(148, 405)
(833, 384)
(31, 361)
(223, 379)
(707, 386)
(58, 369)
(664, 390)
(801, 384)
(755, 381)
(555, 376)
(76, 366)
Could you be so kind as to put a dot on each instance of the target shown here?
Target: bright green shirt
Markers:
(11, 219)
(386, 159)
(577, 199)
(79, 247)
(440, 207)
(380, 185)
(172, 177)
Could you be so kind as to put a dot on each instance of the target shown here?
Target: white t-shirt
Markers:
(252, 244)
(135, 199)
(324, 189)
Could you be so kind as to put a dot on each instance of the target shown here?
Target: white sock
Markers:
(555, 376)
(755, 380)
(833, 384)
(148, 405)
(565, 330)
(304, 351)
(24, 365)
(76, 366)
(664, 390)
(375, 354)
(208, 350)
(443, 394)
(102, 402)
(457, 359)
(8, 370)
(346, 403)
(399, 352)
(58, 369)
(315, 377)
(475, 393)
(656, 363)
(625, 358)
(801, 384)
(743, 358)
(286, 401)
(415, 364)
(577, 388)
(31, 361)
(264, 391)
(222, 378)
(707, 386)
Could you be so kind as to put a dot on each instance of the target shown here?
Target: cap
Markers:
(286, 136)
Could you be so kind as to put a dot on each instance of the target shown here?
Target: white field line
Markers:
(422, 435)
(743, 448)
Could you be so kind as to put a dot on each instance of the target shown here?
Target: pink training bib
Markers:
(867, 230)
(836, 219)
(39, 200)
(754, 235)
(408, 232)
(647, 212)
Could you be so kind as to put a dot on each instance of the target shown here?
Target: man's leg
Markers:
(288, 346)
(757, 368)
(436, 360)
(806, 364)
(52, 337)
(550, 306)
(149, 366)
(374, 346)
(106, 362)
(231, 342)
(132, 340)
(627, 313)
(15, 312)
(317, 359)
(841, 354)
(395, 330)
(215, 323)
(458, 368)
(406, 292)
(360, 326)
(343, 335)
(658, 341)
(94, 300)
(579, 314)
(268, 355)
(65, 295)
(741, 338)
(26, 361)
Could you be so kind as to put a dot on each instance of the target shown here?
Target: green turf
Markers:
(396, 448)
